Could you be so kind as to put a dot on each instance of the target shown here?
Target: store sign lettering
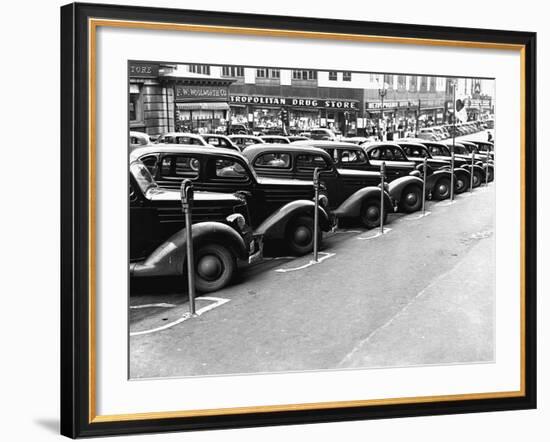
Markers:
(147, 70)
(293, 102)
(201, 92)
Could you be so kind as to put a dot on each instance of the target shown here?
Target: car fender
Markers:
(351, 207)
(481, 169)
(432, 179)
(169, 258)
(274, 226)
(464, 172)
(395, 188)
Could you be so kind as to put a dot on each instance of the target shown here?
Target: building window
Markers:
(388, 79)
(423, 84)
(304, 75)
(261, 73)
(346, 76)
(401, 82)
(232, 71)
(136, 103)
(274, 73)
(333, 75)
(413, 83)
(199, 69)
(433, 82)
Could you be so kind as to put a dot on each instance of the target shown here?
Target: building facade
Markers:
(207, 98)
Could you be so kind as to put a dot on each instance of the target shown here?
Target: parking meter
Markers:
(186, 192)
(316, 186)
(382, 185)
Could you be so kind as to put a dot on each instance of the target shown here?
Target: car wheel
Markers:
(478, 178)
(215, 266)
(461, 183)
(299, 235)
(491, 174)
(370, 214)
(411, 199)
(442, 189)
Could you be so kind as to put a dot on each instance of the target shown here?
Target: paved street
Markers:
(421, 294)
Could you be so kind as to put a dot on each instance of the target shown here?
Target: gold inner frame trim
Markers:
(93, 24)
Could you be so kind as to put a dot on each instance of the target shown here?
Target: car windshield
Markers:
(143, 177)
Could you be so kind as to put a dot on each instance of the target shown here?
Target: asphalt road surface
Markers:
(422, 293)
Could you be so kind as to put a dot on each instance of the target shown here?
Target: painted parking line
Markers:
(161, 305)
(377, 234)
(417, 216)
(309, 264)
(216, 302)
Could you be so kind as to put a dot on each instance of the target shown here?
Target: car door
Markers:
(305, 164)
(394, 168)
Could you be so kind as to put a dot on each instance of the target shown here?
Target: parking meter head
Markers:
(186, 192)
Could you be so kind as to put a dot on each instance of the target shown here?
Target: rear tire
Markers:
(370, 214)
(215, 267)
(442, 189)
(411, 199)
(462, 183)
(478, 178)
(299, 235)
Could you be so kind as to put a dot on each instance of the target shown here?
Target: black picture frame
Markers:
(76, 403)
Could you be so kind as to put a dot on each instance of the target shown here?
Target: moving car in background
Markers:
(323, 134)
(138, 139)
(352, 194)
(279, 139)
(242, 141)
(221, 141)
(281, 210)
(181, 138)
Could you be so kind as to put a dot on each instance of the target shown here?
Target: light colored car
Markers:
(181, 138)
(218, 140)
(323, 134)
(243, 141)
(138, 139)
(277, 139)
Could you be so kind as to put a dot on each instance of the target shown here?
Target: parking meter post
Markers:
(425, 166)
(382, 178)
(187, 204)
(487, 168)
(316, 216)
(472, 174)
(453, 174)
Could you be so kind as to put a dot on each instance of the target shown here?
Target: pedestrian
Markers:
(489, 136)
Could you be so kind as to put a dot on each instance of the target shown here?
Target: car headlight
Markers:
(237, 221)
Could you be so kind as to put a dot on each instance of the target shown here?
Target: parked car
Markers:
(181, 138)
(440, 150)
(280, 209)
(293, 138)
(222, 141)
(238, 128)
(438, 181)
(279, 139)
(485, 147)
(417, 151)
(464, 150)
(242, 141)
(405, 186)
(429, 134)
(138, 139)
(353, 194)
(221, 235)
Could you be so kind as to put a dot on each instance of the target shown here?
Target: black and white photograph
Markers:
(287, 219)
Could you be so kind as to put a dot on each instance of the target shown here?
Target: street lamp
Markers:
(382, 92)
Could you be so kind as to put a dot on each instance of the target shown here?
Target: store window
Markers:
(199, 69)
(273, 160)
(333, 75)
(232, 71)
(135, 104)
(346, 76)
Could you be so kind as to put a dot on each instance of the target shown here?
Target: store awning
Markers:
(203, 106)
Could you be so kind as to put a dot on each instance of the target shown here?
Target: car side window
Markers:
(228, 170)
(308, 162)
(273, 160)
(397, 154)
(386, 154)
(353, 156)
(179, 166)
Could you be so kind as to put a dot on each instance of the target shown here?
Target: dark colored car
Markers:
(221, 236)
(464, 150)
(438, 181)
(280, 209)
(238, 128)
(275, 139)
(353, 194)
(417, 152)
